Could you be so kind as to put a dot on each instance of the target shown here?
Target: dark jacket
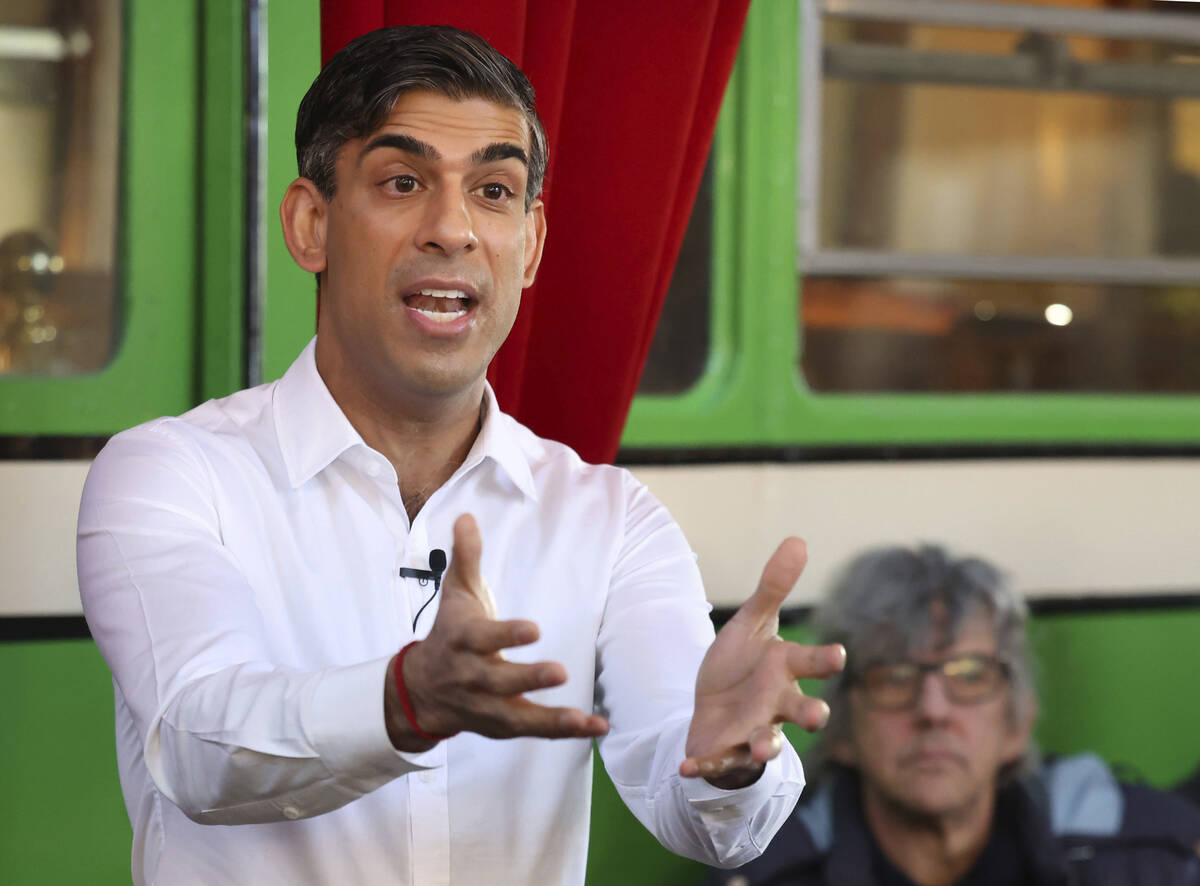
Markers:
(1070, 824)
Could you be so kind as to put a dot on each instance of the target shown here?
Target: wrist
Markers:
(406, 703)
(738, 778)
(400, 714)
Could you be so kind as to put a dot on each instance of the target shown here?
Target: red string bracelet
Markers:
(406, 702)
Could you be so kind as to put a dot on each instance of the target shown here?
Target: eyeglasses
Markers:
(967, 679)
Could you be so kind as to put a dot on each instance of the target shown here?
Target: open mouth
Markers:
(440, 305)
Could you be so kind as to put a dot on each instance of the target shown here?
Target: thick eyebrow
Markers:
(492, 153)
(499, 151)
(401, 142)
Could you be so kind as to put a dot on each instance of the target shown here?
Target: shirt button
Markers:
(428, 776)
(291, 813)
(372, 469)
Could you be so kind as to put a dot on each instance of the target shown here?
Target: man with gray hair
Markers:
(929, 773)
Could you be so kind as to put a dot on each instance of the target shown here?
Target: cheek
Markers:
(347, 250)
(364, 230)
(879, 740)
(1015, 738)
(510, 257)
(997, 733)
(504, 240)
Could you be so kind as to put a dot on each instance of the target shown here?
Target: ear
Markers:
(303, 213)
(535, 240)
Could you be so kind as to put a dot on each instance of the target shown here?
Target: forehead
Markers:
(975, 634)
(448, 123)
(927, 635)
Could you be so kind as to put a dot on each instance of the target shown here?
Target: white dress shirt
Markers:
(239, 571)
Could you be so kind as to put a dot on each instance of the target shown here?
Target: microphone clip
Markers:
(437, 567)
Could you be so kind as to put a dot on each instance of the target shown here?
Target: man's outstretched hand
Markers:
(747, 683)
(457, 678)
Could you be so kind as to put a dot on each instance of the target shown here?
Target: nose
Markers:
(446, 226)
(932, 703)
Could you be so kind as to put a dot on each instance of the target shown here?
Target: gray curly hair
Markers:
(888, 601)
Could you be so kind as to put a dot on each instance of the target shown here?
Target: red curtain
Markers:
(629, 92)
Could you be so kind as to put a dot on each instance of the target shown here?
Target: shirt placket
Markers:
(428, 800)
(429, 822)
(391, 510)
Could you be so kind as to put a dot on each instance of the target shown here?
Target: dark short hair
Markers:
(889, 601)
(356, 90)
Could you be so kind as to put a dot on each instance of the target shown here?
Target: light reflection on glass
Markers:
(1058, 314)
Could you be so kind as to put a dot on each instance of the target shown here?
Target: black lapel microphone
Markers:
(437, 566)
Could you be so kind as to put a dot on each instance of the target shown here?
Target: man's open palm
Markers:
(747, 682)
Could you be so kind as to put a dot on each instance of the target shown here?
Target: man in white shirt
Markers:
(257, 572)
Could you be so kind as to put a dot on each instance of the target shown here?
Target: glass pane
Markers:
(59, 122)
(679, 351)
(968, 142)
(992, 142)
(962, 335)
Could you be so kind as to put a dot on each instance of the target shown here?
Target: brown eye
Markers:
(496, 191)
(403, 184)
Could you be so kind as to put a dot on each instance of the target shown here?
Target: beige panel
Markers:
(39, 504)
(1058, 528)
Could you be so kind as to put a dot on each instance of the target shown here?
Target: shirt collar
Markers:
(498, 440)
(313, 431)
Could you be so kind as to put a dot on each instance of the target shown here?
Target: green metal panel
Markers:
(1121, 684)
(294, 59)
(752, 393)
(61, 815)
(222, 198)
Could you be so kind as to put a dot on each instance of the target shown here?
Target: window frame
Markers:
(753, 393)
(180, 179)
(289, 306)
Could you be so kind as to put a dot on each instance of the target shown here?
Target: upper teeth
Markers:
(444, 316)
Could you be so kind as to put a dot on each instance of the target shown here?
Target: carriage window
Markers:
(928, 335)
(1006, 202)
(679, 350)
(59, 121)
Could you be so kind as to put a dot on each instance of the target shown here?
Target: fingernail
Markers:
(822, 716)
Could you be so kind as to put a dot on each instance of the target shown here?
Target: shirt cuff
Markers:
(706, 797)
(343, 719)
